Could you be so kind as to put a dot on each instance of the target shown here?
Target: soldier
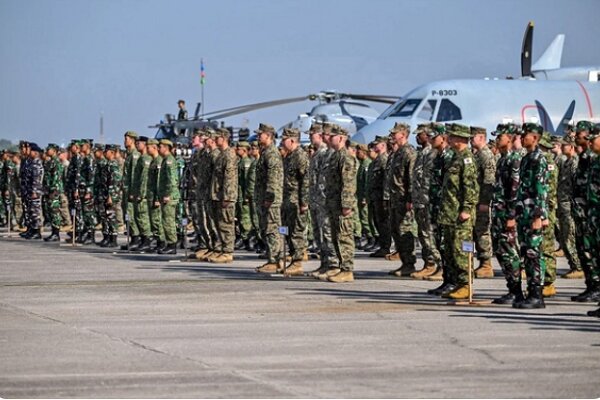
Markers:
(168, 196)
(119, 157)
(269, 193)
(504, 200)
(486, 177)
(128, 205)
(34, 192)
(593, 202)
(243, 203)
(99, 202)
(138, 196)
(11, 190)
(110, 194)
(372, 155)
(341, 200)
(566, 237)
(24, 171)
(249, 194)
(362, 193)
(156, 226)
(3, 208)
(295, 199)
(86, 189)
(459, 197)
(583, 235)
(192, 186)
(421, 186)
(66, 226)
(378, 197)
(532, 214)
(53, 186)
(182, 115)
(224, 192)
(399, 186)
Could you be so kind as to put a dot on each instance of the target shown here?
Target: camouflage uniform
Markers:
(486, 171)
(86, 195)
(99, 201)
(548, 231)
(399, 186)
(193, 202)
(566, 238)
(248, 195)
(202, 172)
(72, 189)
(155, 215)
(35, 190)
(211, 222)
(138, 191)
(319, 217)
(441, 163)
(10, 191)
(295, 195)
(593, 204)
(269, 188)
(243, 204)
(168, 186)
(224, 192)
(53, 185)
(24, 178)
(64, 200)
(111, 189)
(3, 209)
(380, 201)
(362, 195)
(128, 168)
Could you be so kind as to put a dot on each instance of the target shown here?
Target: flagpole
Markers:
(202, 75)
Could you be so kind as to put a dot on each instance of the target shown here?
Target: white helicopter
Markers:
(546, 93)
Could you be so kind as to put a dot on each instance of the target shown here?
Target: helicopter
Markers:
(344, 109)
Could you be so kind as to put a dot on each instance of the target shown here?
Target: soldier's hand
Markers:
(484, 208)
(303, 208)
(225, 204)
(34, 196)
(536, 224)
(76, 195)
(511, 224)
(156, 204)
(166, 199)
(363, 202)
(130, 198)
(545, 223)
(463, 216)
(87, 196)
(409, 206)
(267, 204)
(346, 211)
(109, 201)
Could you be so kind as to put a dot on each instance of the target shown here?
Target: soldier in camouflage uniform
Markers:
(460, 193)
(72, 187)
(192, 174)
(269, 195)
(362, 154)
(341, 201)
(128, 205)
(86, 189)
(504, 201)
(10, 189)
(224, 192)
(168, 196)
(110, 194)
(3, 208)
(593, 202)
(566, 237)
(379, 198)
(532, 214)
(138, 196)
(53, 186)
(34, 191)
(24, 172)
(66, 226)
(583, 234)
(421, 186)
(243, 202)
(486, 177)
(399, 186)
(99, 202)
(249, 194)
(155, 216)
(548, 236)
(295, 199)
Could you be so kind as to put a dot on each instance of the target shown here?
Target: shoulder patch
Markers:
(468, 161)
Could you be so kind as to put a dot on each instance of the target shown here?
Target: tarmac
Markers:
(89, 322)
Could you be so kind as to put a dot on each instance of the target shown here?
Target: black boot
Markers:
(145, 245)
(25, 234)
(169, 249)
(105, 240)
(54, 236)
(515, 294)
(112, 241)
(247, 245)
(594, 313)
(589, 295)
(35, 235)
(88, 238)
(133, 243)
(534, 299)
(239, 244)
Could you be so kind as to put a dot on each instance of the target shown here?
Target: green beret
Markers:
(476, 130)
(532, 127)
(458, 130)
(243, 144)
(265, 128)
(152, 141)
(400, 127)
(166, 142)
(290, 133)
(131, 134)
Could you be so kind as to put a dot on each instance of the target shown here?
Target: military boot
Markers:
(329, 273)
(35, 235)
(145, 245)
(534, 299)
(160, 244)
(485, 270)
(589, 295)
(270, 268)
(395, 256)
(380, 253)
(594, 313)
(104, 241)
(315, 274)
(573, 274)
(169, 249)
(53, 237)
(428, 269)
(403, 271)
(25, 234)
(112, 242)
(247, 245)
(88, 238)
(459, 293)
(239, 244)
(294, 269)
(222, 258)
(133, 242)
(445, 286)
(438, 275)
(342, 277)
(549, 290)
(514, 292)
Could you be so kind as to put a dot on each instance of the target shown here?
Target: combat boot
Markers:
(159, 246)
(485, 270)
(459, 293)
(438, 275)
(395, 256)
(145, 245)
(208, 255)
(247, 246)
(198, 254)
(559, 253)
(169, 249)
(589, 295)
(444, 287)
(54, 236)
(404, 270)
(514, 293)
(112, 242)
(329, 273)
(25, 233)
(371, 245)
(380, 253)
(534, 299)
(88, 238)
(573, 274)
(133, 242)
(549, 290)
(342, 277)
(428, 270)
(104, 241)
(269, 268)
(223, 258)
(594, 313)
(239, 244)
(66, 228)
(35, 235)
(294, 269)
(315, 274)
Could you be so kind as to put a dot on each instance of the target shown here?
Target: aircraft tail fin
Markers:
(552, 57)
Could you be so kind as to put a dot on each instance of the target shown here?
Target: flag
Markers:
(202, 74)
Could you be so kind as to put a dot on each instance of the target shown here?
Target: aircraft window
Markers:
(405, 108)
(360, 109)
(426, 112)
(448, 111)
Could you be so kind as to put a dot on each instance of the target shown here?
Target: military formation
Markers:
(513, 197)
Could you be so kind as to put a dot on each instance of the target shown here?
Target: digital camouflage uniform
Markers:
(202, 172)
(99, 184)
(566, 237)
(53, 185)
(86, 194)
(295, 195)
(193, 202)
(35, 191)
(128, 168)
(486, 177)
(248, 195)
(24, 172)
(593, 204)
(168, 186)
(379, 200)
(441, 163)
(319, 216)
(72, 189)
(155, 215)
(548, 231)
(244, 216)
(224, 192)
(112, 180)
(211, 223)
(139, 190)
(3, 209)
(11, 191)
(362, 196)
(269, 188)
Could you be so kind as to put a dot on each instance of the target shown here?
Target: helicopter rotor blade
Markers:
(374, 97)
(228, 112)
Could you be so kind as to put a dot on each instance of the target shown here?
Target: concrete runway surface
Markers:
(84, 322)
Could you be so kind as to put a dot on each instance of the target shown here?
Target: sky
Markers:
(64, 62)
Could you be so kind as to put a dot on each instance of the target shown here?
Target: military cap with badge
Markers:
(458, 130)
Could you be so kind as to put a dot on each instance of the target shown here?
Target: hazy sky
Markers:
(65, 62)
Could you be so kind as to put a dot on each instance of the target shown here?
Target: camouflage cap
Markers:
(512, 129)
(569, 128)
(546, 141)
(362, 146)
(152, 141)
(131, 134)
(166, 142)
(223, 132)
(380, 139)
(83, 141)
(74, 142)
(265, 128)
(198, 132)
(476, 130)
(327, 127)
(315, 128)
(595, 132)
(23, 143)
(243, 144)
(555, 138)
(52, 146)
(209, 132)
(254, 143)
(338, 131)
(142, 139)
(99, 147)
(498, 131)
(423, 128)
(400, 127)
(458, 130)
(531, 127)
(584, 126)
(111, 147)
(290, 133)
(567, 139)
(437, 129)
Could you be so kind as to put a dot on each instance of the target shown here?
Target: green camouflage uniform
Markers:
(295, 195)
(139, 194)
(86, 189)
(10, 191)
(583, 234)
(548, 231)
(441, 163)
(99, 204)
(362, 196)
(486, 177)
(193, 203)
(168, 186)
(112, 181)
(593, 204)
(243, 204)
(319, 217)
(202, 172)
(566, 238)
(248, 196)
(224, 193)
(53, 185)
(130, 162)
(379, 201)
(156, 225)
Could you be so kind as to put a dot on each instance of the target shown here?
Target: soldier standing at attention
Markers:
(486, 177)
(24, 170)
(378, 198)
(224, 192)
(249, 195)
(295, 199)
(35, 190)
(138, 195)
(111, 196)
(192, 186)
(341, 200)
(362, 193)
(13, 188)
(566, 238)
(128, 167)
(204, 185)
(421, 186)
(53, 184)
(99, 202)
(459, 197)
(504, 202)
(269, 195)
(66, 226)
(532, 214)
(243, 203)
(156, 226)
(580, 216)
(168, 196)
(593, 201)
(86, 189)
(399, 182)
(72, 186)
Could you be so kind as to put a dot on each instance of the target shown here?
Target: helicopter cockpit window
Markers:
(405, 108)
(426, 112)
(448, 111)
(360, 110)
